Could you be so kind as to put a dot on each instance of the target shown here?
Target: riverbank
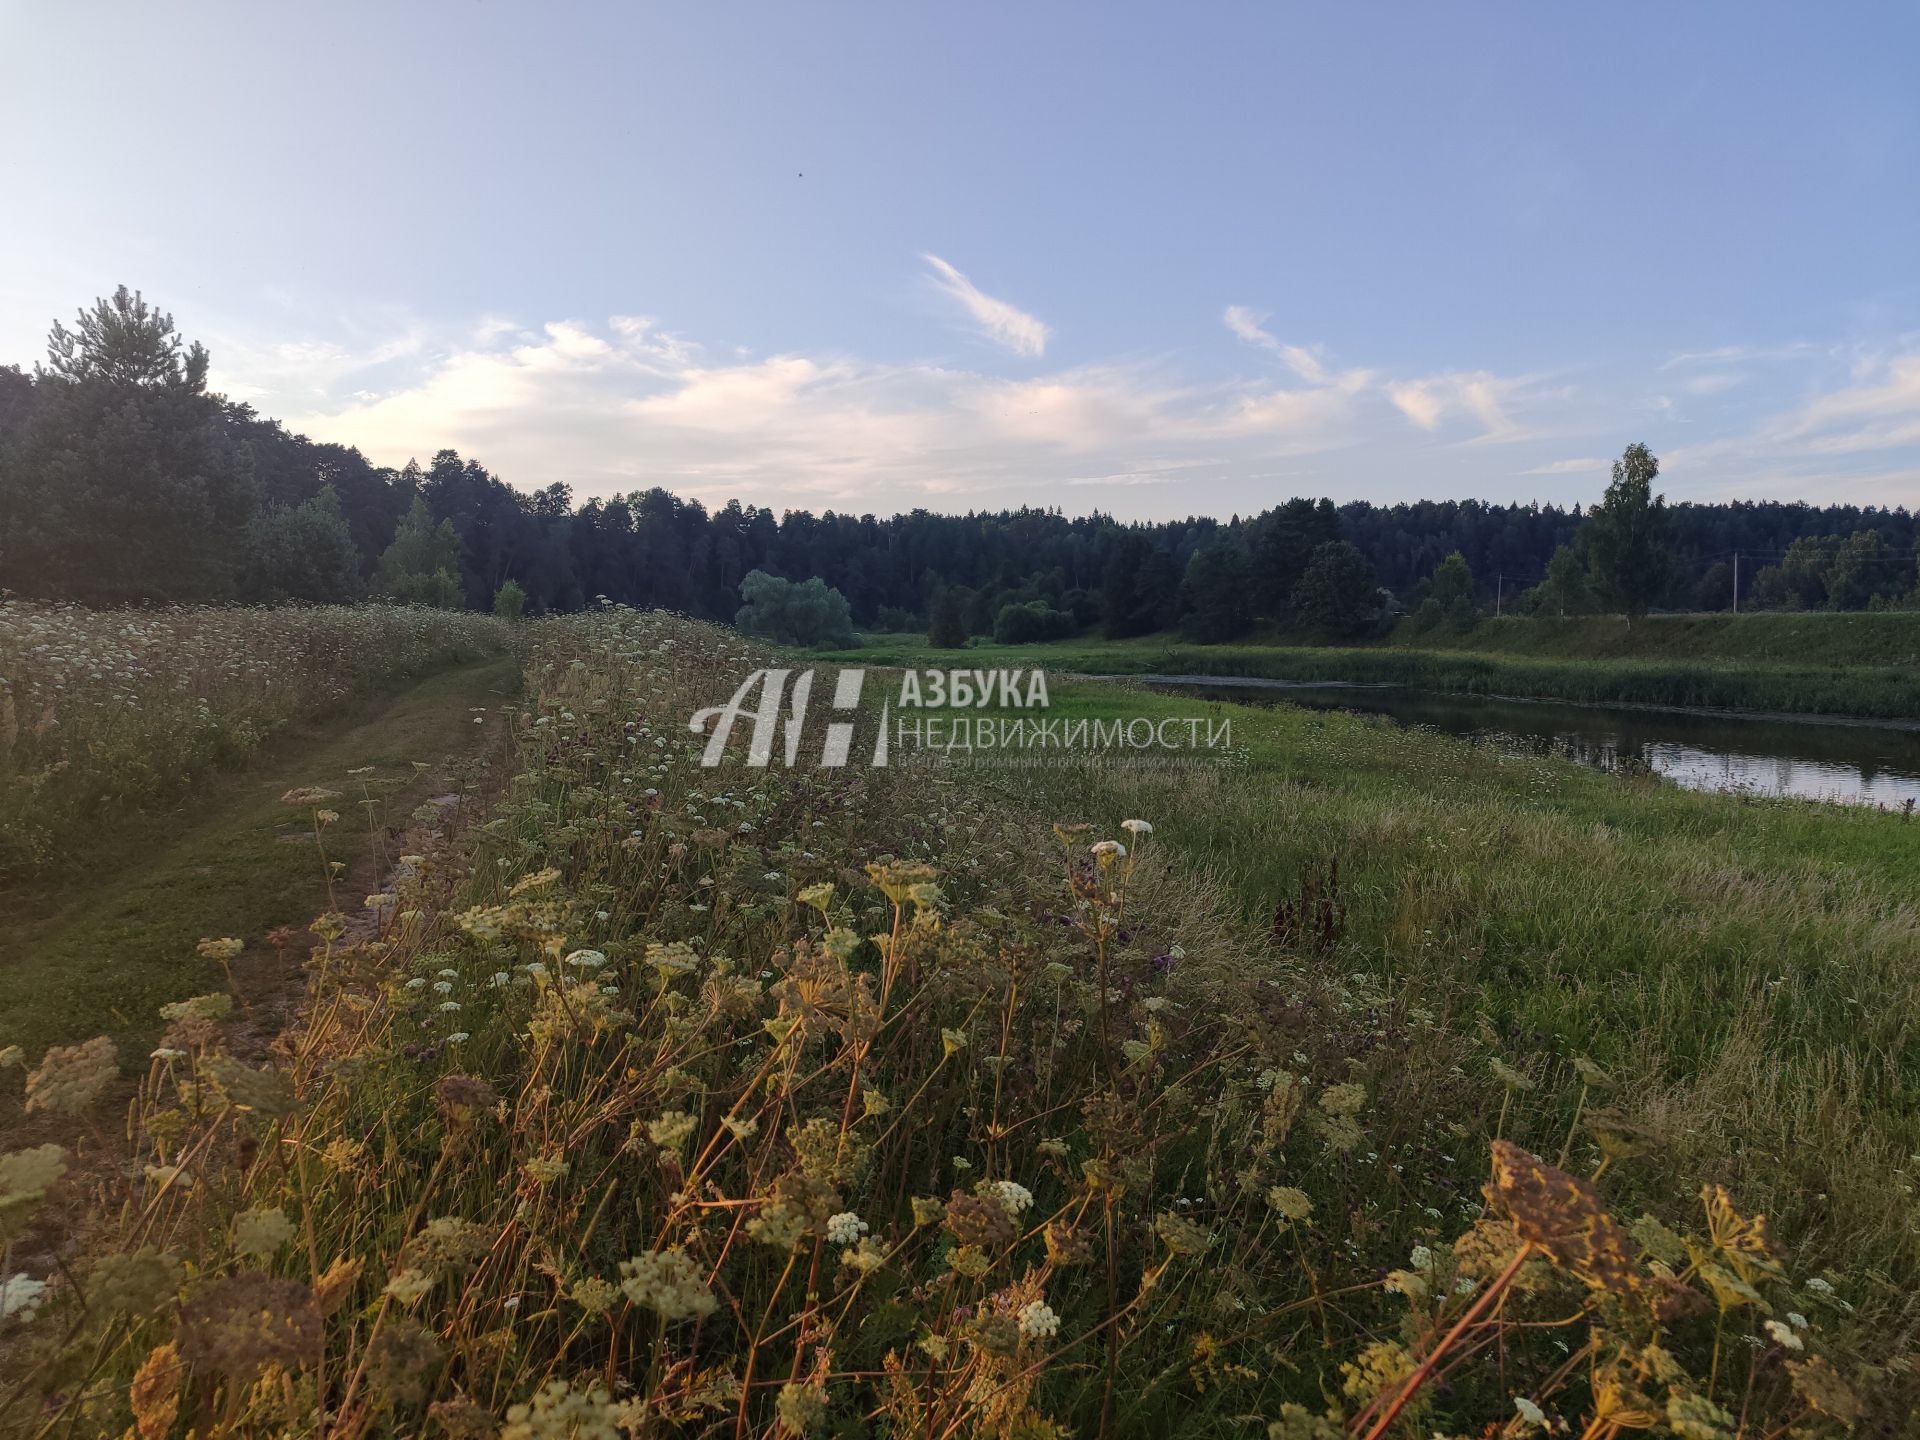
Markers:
(1883, 691)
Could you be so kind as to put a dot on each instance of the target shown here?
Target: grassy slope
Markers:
(117, 938)
(1581, 661)
(1746, 967)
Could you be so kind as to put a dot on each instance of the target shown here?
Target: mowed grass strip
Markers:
(101, 946)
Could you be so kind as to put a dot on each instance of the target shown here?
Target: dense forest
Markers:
(124, 480)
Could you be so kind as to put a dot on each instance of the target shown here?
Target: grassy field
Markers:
(947, 1101)
(1708, 662)
(102, 945)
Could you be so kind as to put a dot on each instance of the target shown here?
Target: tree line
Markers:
(124, 480)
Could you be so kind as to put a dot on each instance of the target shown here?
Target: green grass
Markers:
(100, 946)
(679, 1016)
(1818, 640)
(1746, 967)
(1884, 691)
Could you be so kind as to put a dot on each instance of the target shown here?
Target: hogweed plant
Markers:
(758, 1102)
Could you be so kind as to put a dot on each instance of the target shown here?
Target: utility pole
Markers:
(1736, 582)
(1499, 593)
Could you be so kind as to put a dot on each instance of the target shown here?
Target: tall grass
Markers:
(754, 1101)
(106, 709)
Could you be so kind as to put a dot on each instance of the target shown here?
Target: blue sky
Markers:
(1154, 260)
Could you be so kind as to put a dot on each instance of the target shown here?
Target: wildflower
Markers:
(1136, 828)
(1067, 1245)
(137, 1282)
(1819, 1286)
(1561, 1215)
(1784, 1335)
(401, 1362)
(1183, 1237)
(409, 1285)
(155, 1392)
(671, 1130)
(1528, 1413)
(845, 1228)
(976, 1220)
(1694, 1417)
(1591, 1075)
(72, 1077)
(667, 1281)
(1380, 1366)
(336, 1282)
(12, 1057)
(801, 1408)
(952, 1042)
(309, 795)
(1016, 1198)
(222, 950)
(1508, 1076)
(818, 896)
(1108, 851)
(594, 1295)
(559, 1412)
(20, 1297)
(865, 1257)
(266, 1091)
(259, 1233)
(237, 1324)
(1038, 1322)
(995, 1333)
(25, 1178)
(545, 1169)
(1296, 1422)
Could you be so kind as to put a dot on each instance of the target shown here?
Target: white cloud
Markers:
(611, 407)
(1004, 323)
(1250, 328)
(1476, 395)
(1570, 467)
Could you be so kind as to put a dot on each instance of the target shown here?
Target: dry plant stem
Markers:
(1426, 1367)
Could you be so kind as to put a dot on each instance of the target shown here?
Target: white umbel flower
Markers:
(845, 1228)
(1038, 1322)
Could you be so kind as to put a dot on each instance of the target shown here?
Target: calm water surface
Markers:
(1858, 764)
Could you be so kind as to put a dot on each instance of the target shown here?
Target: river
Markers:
(1862, 764)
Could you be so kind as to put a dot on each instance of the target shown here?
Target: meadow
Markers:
(1863, 665)
(104, 713)
(1357, 1083)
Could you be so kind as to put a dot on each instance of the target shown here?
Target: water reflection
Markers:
(1858, 764)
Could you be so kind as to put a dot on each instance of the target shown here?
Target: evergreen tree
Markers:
(1215, 598)
(1283, 542)
(123, 483)
(1626, 537)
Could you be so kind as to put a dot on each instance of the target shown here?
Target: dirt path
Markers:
(118, 938)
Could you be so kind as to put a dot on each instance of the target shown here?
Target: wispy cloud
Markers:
(1250, 327)
(1476, 395)
(1568, 467)
(1004, 323)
